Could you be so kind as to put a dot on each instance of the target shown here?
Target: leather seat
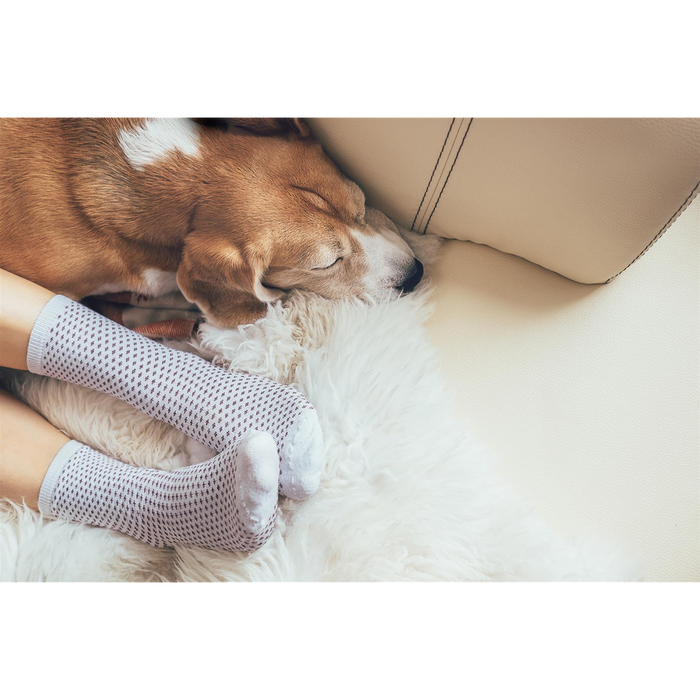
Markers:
(587, 393)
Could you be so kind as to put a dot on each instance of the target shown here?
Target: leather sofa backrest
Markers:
(582, 197)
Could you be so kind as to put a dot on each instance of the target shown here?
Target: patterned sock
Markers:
(228, 502)
(208, 403)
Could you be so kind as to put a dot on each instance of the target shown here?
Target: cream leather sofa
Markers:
(583, 380)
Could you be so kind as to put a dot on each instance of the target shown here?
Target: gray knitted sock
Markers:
(227, 503)
(208, 403)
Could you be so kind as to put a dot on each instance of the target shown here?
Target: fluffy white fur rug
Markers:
(406, 495)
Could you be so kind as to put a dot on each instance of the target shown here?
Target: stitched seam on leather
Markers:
(678, 212)
(469, 126)
(427, 187)
(446, 162)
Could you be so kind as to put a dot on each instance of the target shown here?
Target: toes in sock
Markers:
(301, 457)
(256, 478)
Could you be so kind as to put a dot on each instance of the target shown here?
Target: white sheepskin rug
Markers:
(406, 494)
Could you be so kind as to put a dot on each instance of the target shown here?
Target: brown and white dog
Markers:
(234, 212)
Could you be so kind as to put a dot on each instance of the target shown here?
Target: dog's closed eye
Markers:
(327, 267)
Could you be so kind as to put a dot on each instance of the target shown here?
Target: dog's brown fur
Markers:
(261, 209)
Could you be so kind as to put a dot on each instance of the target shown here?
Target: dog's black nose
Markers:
(410, 283)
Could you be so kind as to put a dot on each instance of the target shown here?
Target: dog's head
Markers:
(276, 214)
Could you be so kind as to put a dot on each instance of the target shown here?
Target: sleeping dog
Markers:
(233, 212)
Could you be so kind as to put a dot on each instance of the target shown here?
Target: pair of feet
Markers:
(267, 435)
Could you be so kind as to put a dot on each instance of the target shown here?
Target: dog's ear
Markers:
(225, 281)
(263, 127)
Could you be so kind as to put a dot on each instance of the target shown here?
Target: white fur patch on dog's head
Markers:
(158, 138)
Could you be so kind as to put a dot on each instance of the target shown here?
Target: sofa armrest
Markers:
(582, 197)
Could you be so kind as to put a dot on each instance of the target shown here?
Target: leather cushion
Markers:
(588, 395)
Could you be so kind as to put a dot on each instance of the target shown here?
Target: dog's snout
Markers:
(411, 282)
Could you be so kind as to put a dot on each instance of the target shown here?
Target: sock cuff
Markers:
(40, 331)
(48, 485)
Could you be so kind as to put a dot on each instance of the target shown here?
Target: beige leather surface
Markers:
(589, 395)
(582, 197)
